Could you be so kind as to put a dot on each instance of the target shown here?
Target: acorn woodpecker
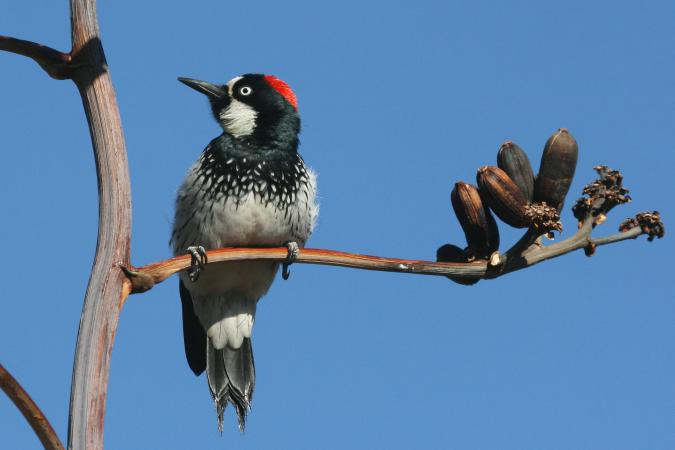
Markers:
(249, 188)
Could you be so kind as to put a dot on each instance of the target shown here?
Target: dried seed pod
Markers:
(480, 228)
(513, 160)
(452, 253)
(558, 163)
(503, 196)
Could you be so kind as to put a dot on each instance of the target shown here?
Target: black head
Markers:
(254, 107)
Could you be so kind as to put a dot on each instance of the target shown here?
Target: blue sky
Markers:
(398, 103)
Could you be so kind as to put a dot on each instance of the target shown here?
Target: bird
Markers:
(249, 188)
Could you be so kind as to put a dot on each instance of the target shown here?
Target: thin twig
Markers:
(145, 277)
(34, 416)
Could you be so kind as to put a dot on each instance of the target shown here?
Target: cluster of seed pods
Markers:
(515, 195)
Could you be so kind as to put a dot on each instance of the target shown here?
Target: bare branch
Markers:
(145, 277)
(34, 416)
(57, 64)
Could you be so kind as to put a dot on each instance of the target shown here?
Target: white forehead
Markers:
(231, 83)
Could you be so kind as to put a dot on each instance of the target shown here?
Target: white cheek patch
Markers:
(238, 118)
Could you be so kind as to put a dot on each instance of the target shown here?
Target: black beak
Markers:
(210, 90)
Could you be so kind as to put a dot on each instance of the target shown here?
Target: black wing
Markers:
(194, 335)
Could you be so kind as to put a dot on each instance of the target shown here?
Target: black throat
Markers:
(231, 168)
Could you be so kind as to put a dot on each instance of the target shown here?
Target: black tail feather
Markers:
(194, 336)
(231, 377)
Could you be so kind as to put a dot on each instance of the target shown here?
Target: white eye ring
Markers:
(245, 90)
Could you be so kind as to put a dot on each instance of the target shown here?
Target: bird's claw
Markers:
(197, 262)
(293, 252)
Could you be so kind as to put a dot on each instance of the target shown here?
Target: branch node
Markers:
(589, 250)
(140, 281)
(495, 260)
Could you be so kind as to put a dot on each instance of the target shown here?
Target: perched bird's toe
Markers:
(198, 261)
(293, 252)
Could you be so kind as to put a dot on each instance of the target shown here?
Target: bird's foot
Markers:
(293, 252)
(198, 261)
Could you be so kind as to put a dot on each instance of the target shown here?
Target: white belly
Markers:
(248, 221)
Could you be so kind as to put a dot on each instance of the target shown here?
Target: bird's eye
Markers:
(245, 90)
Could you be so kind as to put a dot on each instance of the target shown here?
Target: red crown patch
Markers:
(282, 88)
